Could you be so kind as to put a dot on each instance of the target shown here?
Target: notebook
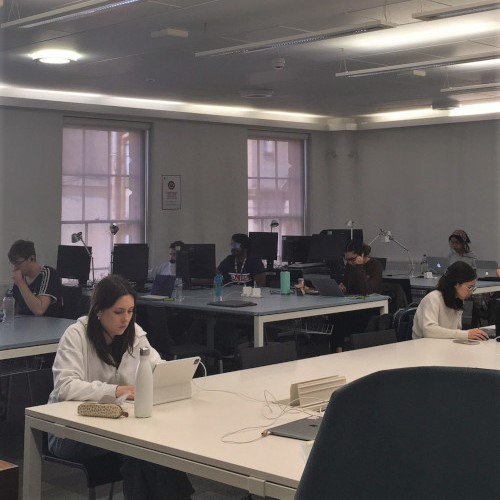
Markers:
(172, 379)
(325, 285)
(305, 429)
(437, 265)
(232, 303)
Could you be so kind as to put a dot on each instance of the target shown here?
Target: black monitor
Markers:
(345, 234)
(195, 261)
(295, 248)
(265, 246)
(130, 260)
(73, 262)
(326, 248)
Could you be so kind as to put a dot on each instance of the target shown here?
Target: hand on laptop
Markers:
(477, 334)
(342, 287)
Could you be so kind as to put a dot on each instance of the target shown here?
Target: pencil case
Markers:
(106, 410)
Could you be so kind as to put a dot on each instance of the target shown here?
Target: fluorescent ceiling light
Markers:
(481, 87)
(66, 13)
(458, 10)
(314, 36)
(435, 63)
(54, 56)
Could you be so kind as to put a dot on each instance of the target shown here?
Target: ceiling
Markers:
(120, 57)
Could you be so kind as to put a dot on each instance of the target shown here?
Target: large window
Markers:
(103, 183)
(276, 184)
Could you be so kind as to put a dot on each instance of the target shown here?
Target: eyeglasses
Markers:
(17, 262)
(470, 288)
(351, 259)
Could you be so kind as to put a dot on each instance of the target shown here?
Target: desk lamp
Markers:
(386, 237)
(274, 223)
(113, 229)
(75, 237)
(350, 224)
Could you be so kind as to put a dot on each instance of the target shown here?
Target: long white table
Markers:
(188, 435)
(30, 335)
(272, 307)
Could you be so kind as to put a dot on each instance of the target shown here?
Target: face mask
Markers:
(235, 246)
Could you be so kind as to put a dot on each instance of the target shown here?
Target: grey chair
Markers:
(371, 339)
(272, 353)
(409, 433)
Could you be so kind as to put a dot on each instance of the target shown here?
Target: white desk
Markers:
(272, 307)
(428, 283)
(186, 435)
(30, 335)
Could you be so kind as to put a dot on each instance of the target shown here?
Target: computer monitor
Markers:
(295, 248)
(130, 260)
(265, 246)
(345, 234)
(73, 262)
(326, 248)
(195, 261)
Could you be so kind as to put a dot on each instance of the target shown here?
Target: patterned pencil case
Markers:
(106, 410)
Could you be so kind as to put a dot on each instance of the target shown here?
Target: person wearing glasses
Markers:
(439, 314)
(37, 288)
(363, 275)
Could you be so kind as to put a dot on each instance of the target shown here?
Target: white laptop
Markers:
(325, 285)
(172, 379)
(486, 268)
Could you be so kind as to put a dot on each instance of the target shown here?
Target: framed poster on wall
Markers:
(171, 192)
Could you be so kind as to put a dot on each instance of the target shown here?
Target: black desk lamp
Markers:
(75, 237)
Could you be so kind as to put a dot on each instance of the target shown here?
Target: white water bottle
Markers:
(9, 307)
(144, 386)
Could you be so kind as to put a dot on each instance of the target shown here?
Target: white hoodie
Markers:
(80, 375)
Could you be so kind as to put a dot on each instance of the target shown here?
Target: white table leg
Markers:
(32, 465)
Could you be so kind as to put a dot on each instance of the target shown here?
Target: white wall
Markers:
(419, 182)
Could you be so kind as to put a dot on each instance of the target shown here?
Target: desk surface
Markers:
(429, 283)
(30, 335)
(188, 434)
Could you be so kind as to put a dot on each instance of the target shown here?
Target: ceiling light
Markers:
(67, 13)
(481, 87)
(179, 33)
(53, 56)
(314, 36)
(435, 63)
(458, 10)
(256, 93)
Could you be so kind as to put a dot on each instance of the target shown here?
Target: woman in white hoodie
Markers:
(98, 355)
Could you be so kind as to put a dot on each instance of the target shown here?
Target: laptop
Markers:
(172, 379)
(486, 268)
(305, 429)
(437, 265)
(163, 285)
(325, 285)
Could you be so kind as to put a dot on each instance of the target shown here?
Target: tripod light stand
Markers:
(75, 237)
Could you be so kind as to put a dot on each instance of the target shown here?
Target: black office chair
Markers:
(272, 353)
(371, 339)
(98, 471)
(412, 433)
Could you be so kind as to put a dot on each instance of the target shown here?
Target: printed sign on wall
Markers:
(171, 192)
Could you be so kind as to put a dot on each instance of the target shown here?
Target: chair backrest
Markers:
(280, 352)
(382, 260)
(403, 322)
(409, 433)
(370, 339)
(405, 285)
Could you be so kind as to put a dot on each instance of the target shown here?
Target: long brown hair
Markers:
(106, 293)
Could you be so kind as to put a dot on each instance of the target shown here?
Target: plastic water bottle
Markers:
(424, 267)
(178, 290)
(218, 281)
(144, 386)
(9, 307)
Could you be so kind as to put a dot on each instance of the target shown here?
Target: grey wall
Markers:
(419, 182)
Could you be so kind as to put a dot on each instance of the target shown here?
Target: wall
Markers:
(419, 182)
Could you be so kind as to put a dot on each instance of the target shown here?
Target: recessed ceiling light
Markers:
(54, 56)
(256, 93)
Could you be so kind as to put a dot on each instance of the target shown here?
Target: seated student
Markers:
(98, 355)
(166, 268)
(37, 288)
(439, 314)
(363, 275)
(459, 242)
(241, 267)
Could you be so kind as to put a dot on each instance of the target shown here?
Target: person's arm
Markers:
(70, 370)
(37, 304)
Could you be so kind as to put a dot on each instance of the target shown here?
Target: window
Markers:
(103, 183)
(276, 184)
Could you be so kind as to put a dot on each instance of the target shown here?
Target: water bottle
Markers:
(424, 267)
(178, 290)
(9, 306)
(218, 281)
(144, 386)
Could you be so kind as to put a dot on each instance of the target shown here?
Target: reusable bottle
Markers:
(144, 385)
(218, 281)
(9, 307)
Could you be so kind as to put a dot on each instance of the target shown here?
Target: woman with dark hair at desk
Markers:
(439, 314)
(98, 356)
(459, 242)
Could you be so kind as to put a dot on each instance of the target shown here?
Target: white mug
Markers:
(256, 292)
(246, 291)
(428, 274)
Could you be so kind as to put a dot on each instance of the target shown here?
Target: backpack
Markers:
(403, 322)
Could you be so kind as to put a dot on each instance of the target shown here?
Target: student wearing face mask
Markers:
(242, 267)
(167, 268)
(439, 314)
